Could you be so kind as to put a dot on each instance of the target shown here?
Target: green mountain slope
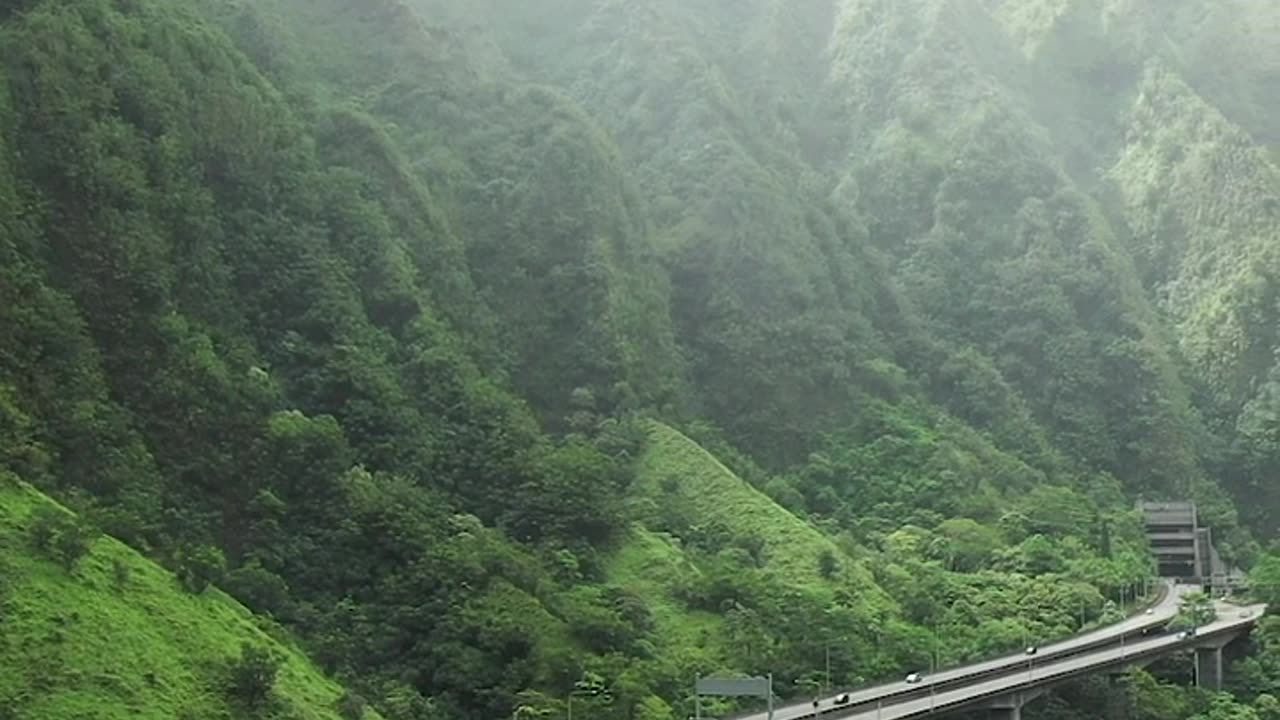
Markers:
(413, 311)
(695, 489)
(116, 636)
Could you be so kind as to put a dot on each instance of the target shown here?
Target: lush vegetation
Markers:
(102, 632)
(510, 355)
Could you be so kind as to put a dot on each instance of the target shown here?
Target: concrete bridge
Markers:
(1003, 686)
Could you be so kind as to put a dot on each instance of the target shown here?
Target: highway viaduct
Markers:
(1001, 687)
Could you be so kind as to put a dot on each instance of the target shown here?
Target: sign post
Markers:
(770, 696)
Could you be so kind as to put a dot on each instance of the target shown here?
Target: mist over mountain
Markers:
(498, 352)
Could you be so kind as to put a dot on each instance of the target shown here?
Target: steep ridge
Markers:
(1180, 154)
(941, 157)
(556, 247)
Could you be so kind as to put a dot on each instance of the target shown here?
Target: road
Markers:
(1161, 614)
(1038, 674)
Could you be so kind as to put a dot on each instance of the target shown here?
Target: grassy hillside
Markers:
(117, 637)
(695, 490)
(732, 580)
(692, 512)
(654, 565)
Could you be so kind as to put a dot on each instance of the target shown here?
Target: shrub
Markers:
(252, 676)
(828, 565)
(260, 589)
(351, 706)
(60, 536)
(119, 573)
(199, 566)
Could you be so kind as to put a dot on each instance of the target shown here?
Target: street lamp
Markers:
(828, 647)
(933, 654)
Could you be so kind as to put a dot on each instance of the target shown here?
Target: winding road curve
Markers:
(951, 689)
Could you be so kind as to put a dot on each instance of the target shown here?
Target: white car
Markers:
(914, 678)
(1151, 611)
(842, 699)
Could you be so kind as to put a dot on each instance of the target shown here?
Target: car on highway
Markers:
(1187, 634)
(842, 699)
(914, 678)
(1151, 611)
(1032, 650)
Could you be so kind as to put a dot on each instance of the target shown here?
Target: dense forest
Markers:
(500, 356)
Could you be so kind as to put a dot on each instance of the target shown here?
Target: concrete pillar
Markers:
(1209, 668)
(1009, 707)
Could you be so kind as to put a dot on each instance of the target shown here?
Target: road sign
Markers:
(734, 687)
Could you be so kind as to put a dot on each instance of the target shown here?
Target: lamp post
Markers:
(933, 654)
(828, 648)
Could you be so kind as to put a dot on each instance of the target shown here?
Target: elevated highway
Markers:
(1004, 684)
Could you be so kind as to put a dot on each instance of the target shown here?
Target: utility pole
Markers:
(933, 656)
(828, 666)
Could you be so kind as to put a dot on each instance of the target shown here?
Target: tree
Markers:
(828, 565)
(1223, 707)
(252, 676)
(1264, 580)
(60, 535)
(1267, 707)
(1197, 609)
(258, 588)
(119, 573)
(199, 566)
(351, 706)
(972, 545)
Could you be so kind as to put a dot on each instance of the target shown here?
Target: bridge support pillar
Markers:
(1209, 668)
(1009, 707)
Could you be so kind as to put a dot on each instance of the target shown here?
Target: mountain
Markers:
(978, 165)
(503, 353)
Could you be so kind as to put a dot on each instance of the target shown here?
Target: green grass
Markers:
(677, 478)
(680, 477)
(650, 565)
(78, 644)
